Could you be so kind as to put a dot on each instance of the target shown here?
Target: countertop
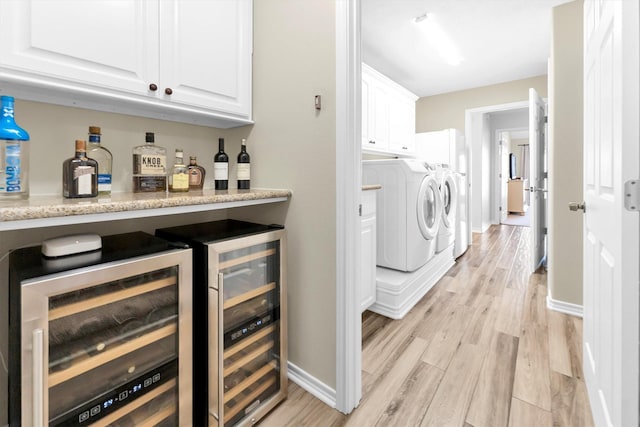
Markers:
(371, 187)
(40, 211)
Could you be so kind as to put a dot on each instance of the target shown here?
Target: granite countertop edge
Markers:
(38, 207)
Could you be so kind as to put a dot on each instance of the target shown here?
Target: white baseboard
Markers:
(564, 307)
(311, 384)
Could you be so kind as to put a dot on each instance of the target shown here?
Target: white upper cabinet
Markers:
(183, 60)
(388, 114)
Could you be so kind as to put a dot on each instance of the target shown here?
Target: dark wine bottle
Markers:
(221, 167)
(244, 167)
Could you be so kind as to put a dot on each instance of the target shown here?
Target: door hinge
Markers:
(545, 175)
(632, 195)
(544, 230)
(546, 119)
(360, 210)
(500, 208)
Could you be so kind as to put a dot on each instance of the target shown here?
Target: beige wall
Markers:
(448, 110)
(565, 155)
(291, 146)
(294, 60)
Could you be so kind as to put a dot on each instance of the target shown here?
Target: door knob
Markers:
(574, 206)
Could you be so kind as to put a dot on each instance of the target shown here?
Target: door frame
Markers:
(348, 185)
(477, 172)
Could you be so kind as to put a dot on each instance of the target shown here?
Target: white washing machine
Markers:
(449, 192)
(408, 212)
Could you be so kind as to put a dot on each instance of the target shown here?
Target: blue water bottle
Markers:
(14, 154)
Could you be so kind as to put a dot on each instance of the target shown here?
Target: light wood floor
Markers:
(480, 349)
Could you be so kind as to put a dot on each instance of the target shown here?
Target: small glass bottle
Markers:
(104, 158)
(80, 174)
(196, 174)
(244, 167)
(179, 176)
(221, 167)
(149, 166)
(14, 154)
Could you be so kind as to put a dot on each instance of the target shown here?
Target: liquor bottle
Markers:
(179, 176)
(149, 166)
(104, 158)
(196, 174)
(80, 174)
(244, 167)
(221, 167)
(14, 154)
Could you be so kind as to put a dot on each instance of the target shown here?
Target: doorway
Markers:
(485, 128)
(513, 176)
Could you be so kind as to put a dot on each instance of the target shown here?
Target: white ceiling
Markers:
(499, 40)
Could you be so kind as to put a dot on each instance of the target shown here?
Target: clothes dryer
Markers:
(449, 192)
(409, 208)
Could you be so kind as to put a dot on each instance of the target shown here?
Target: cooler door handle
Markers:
(38, 377)
(214, 397)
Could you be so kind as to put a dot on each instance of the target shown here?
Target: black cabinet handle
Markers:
(153, 87)
(168, 91)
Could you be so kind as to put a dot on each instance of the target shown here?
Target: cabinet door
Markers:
(99, 43)
(379, 116)
(401, 124)
(368, 250)
(367, 133)
(206, 53)
(368, 290)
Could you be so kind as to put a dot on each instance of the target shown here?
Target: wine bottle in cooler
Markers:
(221, 167)
(244, 167)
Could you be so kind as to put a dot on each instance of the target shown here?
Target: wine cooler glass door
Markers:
(249, 291)
(111, 339)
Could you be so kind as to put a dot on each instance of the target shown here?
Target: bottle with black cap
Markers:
(149, 166)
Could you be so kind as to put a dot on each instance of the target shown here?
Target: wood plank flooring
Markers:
(479, 350)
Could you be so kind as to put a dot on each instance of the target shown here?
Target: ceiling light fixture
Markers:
(439, 39)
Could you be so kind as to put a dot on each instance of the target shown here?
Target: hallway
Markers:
(480, 349)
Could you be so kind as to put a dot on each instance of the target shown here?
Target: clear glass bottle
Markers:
(149, 166)
(14, 154)
(80, 174)
(196, 174)
(179, 176)
(244, 167)
(104, 158)
(221, 167)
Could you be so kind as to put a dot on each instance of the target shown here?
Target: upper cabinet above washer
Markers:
(388, 115)
(182, 60)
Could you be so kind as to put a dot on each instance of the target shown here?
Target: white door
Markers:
(504, 176)
(537, 178)
(611, 233)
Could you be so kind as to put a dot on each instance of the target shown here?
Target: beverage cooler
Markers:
(240, 368)
(102, 337)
